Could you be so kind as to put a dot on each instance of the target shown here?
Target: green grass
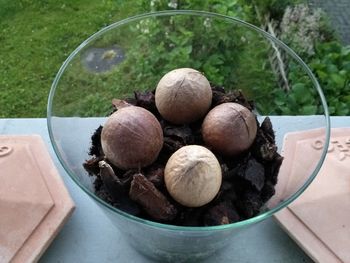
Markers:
(36, 37)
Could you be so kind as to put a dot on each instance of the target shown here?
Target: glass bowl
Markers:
(132, 55)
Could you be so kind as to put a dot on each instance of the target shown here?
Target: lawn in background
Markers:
(36, 37)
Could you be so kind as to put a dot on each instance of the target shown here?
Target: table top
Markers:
(89, 236)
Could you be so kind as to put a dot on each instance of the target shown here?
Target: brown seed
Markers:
(132, 138)
(183, 96)
(229, 128)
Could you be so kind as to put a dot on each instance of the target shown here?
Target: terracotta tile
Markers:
(34, 203)
(319, 220)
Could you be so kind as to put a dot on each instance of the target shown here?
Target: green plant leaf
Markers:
(309, 110)
(338, 79)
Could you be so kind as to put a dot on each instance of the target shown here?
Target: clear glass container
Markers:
(132, 55)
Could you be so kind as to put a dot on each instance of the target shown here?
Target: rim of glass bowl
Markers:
(239, 224)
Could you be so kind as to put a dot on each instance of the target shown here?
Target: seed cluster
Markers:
(185, 154)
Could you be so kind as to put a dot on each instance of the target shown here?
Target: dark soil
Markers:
(248, 180)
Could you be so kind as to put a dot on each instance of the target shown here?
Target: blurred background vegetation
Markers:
(36, 36)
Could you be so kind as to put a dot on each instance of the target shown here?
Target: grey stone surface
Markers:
(339, 13)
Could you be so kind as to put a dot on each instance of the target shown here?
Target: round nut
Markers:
(132, 138)
(193, 176)
(183, 95)
(229, 128)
